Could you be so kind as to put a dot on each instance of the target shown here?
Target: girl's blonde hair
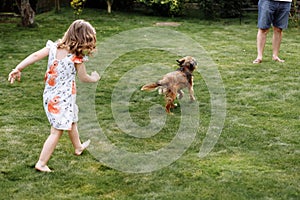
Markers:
(79, 39)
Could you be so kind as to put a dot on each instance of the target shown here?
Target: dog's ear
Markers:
(181, 61)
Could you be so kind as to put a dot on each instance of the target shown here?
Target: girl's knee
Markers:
(55, 131)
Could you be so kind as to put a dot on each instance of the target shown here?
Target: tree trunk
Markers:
(57, 6)
(109, 4)
(27, 13)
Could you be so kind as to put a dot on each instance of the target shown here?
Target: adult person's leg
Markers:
(265, 12)
(276, 41)
(280, 22)
(261, 42)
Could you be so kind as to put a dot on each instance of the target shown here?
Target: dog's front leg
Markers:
(180, 94)
(191, 91)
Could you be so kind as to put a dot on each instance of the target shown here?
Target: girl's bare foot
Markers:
(84, 145)
(42, 168)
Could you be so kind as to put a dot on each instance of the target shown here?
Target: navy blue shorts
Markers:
(274, 13)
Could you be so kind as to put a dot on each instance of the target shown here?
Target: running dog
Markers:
(173, 82)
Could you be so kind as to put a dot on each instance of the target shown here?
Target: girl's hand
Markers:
(13, 75)
(95, 76)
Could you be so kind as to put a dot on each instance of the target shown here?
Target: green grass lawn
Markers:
(257, 155)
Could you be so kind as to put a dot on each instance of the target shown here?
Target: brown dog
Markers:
(173, 82)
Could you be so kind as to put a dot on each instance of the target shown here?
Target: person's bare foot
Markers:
(277, 59)
(84, 145)
(257, 61)
(42, 168)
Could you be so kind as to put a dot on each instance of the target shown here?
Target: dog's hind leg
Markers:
(169, 105)
(170, 97)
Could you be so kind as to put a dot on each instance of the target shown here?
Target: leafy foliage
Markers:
(222, 8)
(294, 14)
(165, 7)
(77, 6)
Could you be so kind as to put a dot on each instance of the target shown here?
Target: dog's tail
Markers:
(150, 86)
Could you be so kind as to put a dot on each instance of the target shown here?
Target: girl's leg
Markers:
(74, 137)
(48, 149)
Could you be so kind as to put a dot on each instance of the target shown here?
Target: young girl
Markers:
(65, 59)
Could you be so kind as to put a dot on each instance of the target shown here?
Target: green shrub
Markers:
(77, 6)
(222, 8)
(165, 7)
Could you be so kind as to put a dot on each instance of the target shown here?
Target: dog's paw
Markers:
(180, 94)
(160, 91)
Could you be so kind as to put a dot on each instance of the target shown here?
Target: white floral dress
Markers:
(60, 90)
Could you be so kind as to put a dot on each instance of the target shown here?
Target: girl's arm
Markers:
(32, 58)
(84, 77)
